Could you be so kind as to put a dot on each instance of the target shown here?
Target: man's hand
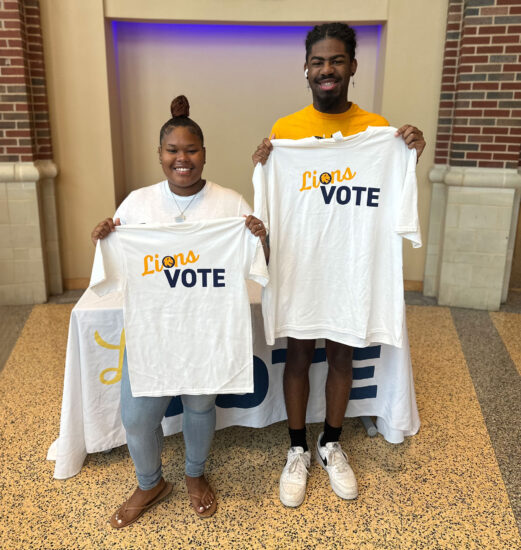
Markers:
(263, 151)
(412, 137)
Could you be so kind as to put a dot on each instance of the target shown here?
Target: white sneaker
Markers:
(294, 477)
(335, 463)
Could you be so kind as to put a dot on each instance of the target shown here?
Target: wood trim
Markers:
(80, 283)
(414, 286)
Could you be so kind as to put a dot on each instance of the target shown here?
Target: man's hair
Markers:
(340, 31)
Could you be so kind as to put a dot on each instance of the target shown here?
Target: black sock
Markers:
(298, 438)
(330, 434)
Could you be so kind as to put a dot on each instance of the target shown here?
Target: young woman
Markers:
(183, 196)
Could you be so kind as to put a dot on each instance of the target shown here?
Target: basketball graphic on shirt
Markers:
(168, 261)
(325, 177)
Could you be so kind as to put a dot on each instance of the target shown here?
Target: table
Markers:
(90, 422)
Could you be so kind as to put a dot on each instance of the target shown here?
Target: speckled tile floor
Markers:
(12, 321)
(454, 485)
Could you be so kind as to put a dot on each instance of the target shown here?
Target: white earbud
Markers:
(306, 73)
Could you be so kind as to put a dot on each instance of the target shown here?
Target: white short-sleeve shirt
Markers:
(186, 307)
(338, 211)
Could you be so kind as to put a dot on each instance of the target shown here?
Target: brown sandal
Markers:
(208, 512)
(129, 512)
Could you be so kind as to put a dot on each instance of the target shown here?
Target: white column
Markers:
(29, 253)
(471, 235)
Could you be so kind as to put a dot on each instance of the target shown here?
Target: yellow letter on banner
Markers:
(119, 368)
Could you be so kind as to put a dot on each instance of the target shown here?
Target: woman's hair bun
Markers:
(180, 106)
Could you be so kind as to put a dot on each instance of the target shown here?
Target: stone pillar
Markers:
(476, 179)
(29, 254)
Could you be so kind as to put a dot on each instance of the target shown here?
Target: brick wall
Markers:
(480, 106)
(24, 117)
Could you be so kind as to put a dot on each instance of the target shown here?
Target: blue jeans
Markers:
(142, 417)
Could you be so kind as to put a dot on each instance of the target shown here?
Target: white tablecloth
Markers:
(90, 418)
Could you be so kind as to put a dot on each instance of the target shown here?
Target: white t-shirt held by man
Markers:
(338, 210)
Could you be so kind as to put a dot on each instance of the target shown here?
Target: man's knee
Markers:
(339, 356)
(300, 354)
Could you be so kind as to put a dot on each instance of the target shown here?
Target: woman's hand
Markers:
(103, 229)
(257, 228)
(263, 151)
(413, 138)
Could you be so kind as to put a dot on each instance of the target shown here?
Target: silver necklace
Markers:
(182, 217)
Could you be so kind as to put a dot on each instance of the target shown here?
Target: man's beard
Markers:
(327, 102)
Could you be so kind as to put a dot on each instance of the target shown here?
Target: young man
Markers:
(330, 63)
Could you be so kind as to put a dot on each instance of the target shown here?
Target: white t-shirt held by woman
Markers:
(186, 313)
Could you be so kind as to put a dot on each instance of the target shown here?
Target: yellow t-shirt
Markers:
(309, 122)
